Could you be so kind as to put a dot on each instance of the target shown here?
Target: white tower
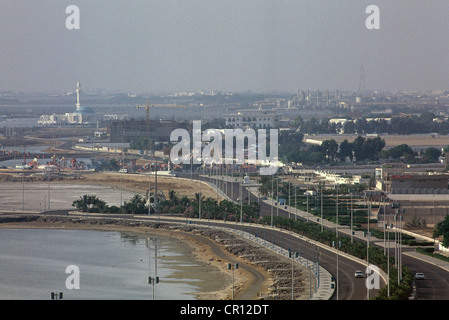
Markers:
(78, 86)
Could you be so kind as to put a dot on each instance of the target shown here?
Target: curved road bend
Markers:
(349, 288)
(434, 287)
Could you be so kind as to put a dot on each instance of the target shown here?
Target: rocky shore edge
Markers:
(277, 269)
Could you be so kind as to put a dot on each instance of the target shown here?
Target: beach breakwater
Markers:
(280, 268)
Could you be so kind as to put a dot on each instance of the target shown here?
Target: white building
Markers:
(82, 115)
(256, 119)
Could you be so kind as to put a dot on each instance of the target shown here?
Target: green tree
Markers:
(442, 229)
(136, 205)
(402, 150)
(142, 143)
(358, 148)
(90, 203)
(346, 149)
(431, 154)
(330, 149)
(173, 197)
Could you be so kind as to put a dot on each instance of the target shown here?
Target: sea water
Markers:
(112, 265)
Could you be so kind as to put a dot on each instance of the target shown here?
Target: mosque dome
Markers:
(84, 110)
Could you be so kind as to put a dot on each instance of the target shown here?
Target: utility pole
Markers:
(352, 230)
(292, 256)
(233, 267)
(336, 224)
(321, 185)
(56, 295)
(289, 203)
(337, 245)
(296, 204)
(152, 280)
(199, 196)
(272, 199)
(368, 237)
(149, 188)
(277, 196)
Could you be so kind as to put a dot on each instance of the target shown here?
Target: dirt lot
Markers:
(131, 182)
(137, 183)
(414, 140)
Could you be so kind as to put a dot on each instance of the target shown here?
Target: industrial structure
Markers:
(157, 130)
(81, 115)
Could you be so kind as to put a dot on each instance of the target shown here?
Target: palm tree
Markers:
(89, 203)
(173, 197)
(136, 205)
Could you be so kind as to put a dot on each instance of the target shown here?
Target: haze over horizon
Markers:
(149, 46)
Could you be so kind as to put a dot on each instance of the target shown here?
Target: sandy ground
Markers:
(139, 183)
(412, 140)
(211, 289)
(203, 249)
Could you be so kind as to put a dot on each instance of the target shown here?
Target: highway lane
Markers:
(434, 287)
(348, 287)
(436, 284)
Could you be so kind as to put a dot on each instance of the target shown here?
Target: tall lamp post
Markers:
(233, 267)
(321, 192)
(337, 245)
(152, 280)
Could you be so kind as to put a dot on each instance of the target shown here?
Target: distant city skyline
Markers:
(153, 47)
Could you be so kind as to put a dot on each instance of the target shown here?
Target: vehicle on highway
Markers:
(359, 274)
(419, 276)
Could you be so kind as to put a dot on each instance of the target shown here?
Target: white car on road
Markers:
(419, 276)
(359, 274)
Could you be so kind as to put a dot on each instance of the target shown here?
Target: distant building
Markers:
(418, 184)
(129, 130)
(82, 115)
(395, 180)
(255, 119)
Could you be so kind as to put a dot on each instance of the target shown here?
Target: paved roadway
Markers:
(348, 287)
(434, 287)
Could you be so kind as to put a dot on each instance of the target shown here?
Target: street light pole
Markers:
(149, 188)
(277, 196)
(336, 224)
(337, 244)
(152, 280)
(296, 205)
(289, 203)
(272, 200)
(321, 207)
(233, 267)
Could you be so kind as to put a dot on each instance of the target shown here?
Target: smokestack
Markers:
(78, 86)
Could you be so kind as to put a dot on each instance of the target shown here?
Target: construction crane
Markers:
(147, 107)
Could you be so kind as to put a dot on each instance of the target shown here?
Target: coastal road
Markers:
(348, 287)
(434, 287)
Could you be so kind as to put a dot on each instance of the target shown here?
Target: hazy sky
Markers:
(152, 46)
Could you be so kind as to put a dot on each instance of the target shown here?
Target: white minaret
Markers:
(78, 86)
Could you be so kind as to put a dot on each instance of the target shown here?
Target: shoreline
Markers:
(200, 252)
(257, 279)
